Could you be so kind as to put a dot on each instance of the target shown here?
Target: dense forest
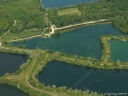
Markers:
(31, 14)
(113, 10)
(27, 14)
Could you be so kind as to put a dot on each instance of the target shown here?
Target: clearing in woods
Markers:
(69, 11)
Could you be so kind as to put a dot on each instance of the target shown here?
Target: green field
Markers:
(28, 14)
(69, 11)
(23, 34)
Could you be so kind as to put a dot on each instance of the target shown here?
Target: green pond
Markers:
(10, 62)
(84, 78)
(83, 41)
(119, 50)
(6, 90)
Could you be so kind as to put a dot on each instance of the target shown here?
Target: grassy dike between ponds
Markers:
(20, 80)
(79, 25)
(33, 33)
(25, 79)
(104, 63)
(106, 57)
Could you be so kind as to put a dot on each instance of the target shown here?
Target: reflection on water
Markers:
(84, 78)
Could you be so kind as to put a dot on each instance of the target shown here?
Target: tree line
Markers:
(28, 14)
(114, 10)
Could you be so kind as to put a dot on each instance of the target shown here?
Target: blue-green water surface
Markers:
(10, 62)
(84, 41)
(84, 78)
(62, 3)
(119, 50)
(6, 90)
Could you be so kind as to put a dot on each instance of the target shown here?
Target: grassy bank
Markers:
(76, 26)
(28, 14)
(26, 80)
(24, 34)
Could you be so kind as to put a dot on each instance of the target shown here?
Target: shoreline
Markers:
(53, 28)
(24, 38)
(85, 23)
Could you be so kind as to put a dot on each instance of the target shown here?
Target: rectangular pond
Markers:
(11, 62)
(119, 50)
(83, 41)
(84, 78)
(62, 3)
(6, 90)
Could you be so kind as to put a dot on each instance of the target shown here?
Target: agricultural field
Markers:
(69, 11)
